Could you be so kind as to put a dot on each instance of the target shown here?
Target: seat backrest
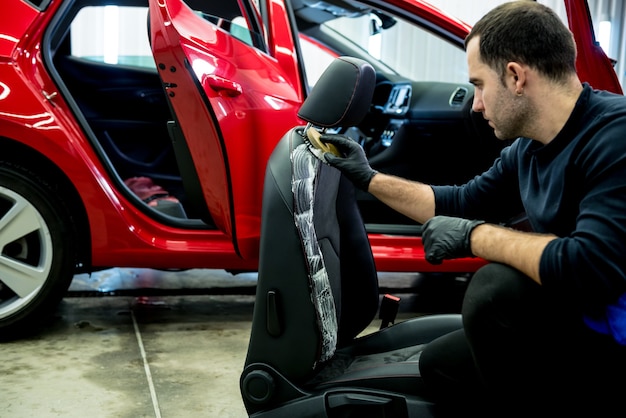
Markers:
(317, 285)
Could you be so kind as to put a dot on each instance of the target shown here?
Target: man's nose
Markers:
(477, 103)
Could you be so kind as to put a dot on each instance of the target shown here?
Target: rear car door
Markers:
(234, 87)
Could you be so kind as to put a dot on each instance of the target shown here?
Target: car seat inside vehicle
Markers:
(317, 288)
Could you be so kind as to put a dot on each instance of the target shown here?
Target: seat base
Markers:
(377, 375)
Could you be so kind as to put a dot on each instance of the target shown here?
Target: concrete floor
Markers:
(131, 343)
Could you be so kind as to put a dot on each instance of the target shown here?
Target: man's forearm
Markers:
(520, 250)
(413, 199)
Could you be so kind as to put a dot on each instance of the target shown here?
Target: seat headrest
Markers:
(342, 96)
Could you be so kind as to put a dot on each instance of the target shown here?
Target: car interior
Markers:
(317, 286)
(418, 129)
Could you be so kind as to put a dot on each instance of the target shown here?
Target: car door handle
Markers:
(223, 86)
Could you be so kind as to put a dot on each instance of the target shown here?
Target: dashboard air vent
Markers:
(458, 97)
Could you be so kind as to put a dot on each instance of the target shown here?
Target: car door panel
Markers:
(220, 88)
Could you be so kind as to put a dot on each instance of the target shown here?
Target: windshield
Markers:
(403, 47)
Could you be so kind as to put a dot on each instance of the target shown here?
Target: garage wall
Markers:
(468, 11)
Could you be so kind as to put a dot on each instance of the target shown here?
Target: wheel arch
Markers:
(14, 152)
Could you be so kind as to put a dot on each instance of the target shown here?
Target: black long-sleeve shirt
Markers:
(573, 187)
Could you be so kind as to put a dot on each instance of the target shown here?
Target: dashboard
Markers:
(396, 103)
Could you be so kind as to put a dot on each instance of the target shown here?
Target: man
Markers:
(542, 321)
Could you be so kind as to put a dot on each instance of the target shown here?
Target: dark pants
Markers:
(523, 353)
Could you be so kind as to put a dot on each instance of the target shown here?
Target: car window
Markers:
(112, 35)
(237, 27)
(117, 34)
(228, 16)
(403, 48)
(406, 48)
(315, 58)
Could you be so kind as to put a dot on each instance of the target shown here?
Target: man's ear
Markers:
(516, 77)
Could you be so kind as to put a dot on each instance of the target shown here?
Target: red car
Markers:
(136, 132)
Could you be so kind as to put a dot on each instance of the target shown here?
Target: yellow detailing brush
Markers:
(313, 135)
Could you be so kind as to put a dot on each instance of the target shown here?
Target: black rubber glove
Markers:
(353, 164)
(445, 237)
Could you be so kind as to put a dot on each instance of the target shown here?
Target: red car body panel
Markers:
(33, 113)
(121, 235)
(14, 25)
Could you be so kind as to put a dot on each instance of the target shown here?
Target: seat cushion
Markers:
(387, 359)
(396, 370)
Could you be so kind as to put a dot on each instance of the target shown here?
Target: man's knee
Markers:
(495, 289)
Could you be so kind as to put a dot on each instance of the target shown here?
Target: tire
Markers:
(37, 250)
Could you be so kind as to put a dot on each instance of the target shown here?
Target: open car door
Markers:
(592, 64)
(222, 71)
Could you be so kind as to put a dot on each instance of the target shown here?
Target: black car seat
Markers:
(317, 285)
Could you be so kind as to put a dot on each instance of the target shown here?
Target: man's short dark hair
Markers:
(527, 32)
